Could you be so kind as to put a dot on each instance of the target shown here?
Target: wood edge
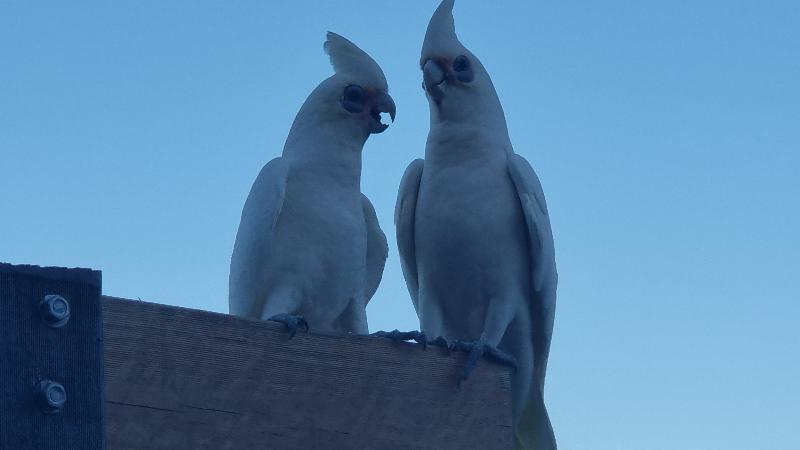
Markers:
(277, 327)
(73, 275)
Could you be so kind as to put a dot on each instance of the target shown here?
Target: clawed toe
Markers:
(500, 356)
(477, 349)
(440, 342)
(397, 335)
(291, 321)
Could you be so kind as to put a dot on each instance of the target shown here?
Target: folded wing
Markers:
(377, 249)
(251, 252)
(404, 214)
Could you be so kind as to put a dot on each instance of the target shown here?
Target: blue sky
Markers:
(666, 135)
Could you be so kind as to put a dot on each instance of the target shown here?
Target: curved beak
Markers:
(432, 78)
(382, 103)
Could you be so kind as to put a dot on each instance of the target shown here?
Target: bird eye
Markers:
(353, 99)
(463, 69)
(461, 64)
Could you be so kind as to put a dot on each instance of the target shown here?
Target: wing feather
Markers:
(377, 249)
(404, 216)
(251, 251)
(544, 277)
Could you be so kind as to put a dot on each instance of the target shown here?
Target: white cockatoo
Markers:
(473, 230)
(309, 250)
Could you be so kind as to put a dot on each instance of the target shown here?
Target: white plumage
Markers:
(473, 228)
(309, 243)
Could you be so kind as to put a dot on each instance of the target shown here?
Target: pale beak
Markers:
(383, 103)
(432, 78)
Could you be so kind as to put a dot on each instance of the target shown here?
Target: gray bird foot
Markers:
(440, 342)
(291, 321)
(479, 348)
(397, 335)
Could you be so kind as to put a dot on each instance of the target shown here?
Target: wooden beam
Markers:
(185, 379)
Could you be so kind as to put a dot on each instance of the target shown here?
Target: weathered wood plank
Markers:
(184, 379)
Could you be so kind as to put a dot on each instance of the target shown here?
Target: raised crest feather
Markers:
(440, 37)
(348, 59)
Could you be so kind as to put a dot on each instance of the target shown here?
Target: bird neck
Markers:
(325, 153)
(471, 125)
(451, 143)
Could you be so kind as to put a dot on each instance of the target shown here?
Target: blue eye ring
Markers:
(463, 69)
(353, 99)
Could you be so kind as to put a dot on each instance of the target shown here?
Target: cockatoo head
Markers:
(355, 96)
(455, 82)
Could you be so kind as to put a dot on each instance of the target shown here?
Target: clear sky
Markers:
(666, 134)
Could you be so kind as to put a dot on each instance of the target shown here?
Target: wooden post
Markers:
(51, 366)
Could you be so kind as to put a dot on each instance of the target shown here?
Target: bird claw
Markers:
(476, 349)
(440, 342)
(397, 335)
(500, 356)
(291, 321)
(459, 346)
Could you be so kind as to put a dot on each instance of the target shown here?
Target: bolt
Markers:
(51, 396)
(54, 310)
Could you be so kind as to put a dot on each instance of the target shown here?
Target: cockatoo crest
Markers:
(349, 60)
(456, 81)
(440, 38)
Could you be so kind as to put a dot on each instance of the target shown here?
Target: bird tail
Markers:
(533, 430)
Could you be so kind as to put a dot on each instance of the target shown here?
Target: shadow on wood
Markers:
(185, 379)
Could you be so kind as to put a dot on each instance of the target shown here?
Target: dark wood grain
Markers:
(184, 379)
(31, 352)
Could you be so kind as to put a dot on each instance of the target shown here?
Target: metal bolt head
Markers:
(54, 310)
(51, 396)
